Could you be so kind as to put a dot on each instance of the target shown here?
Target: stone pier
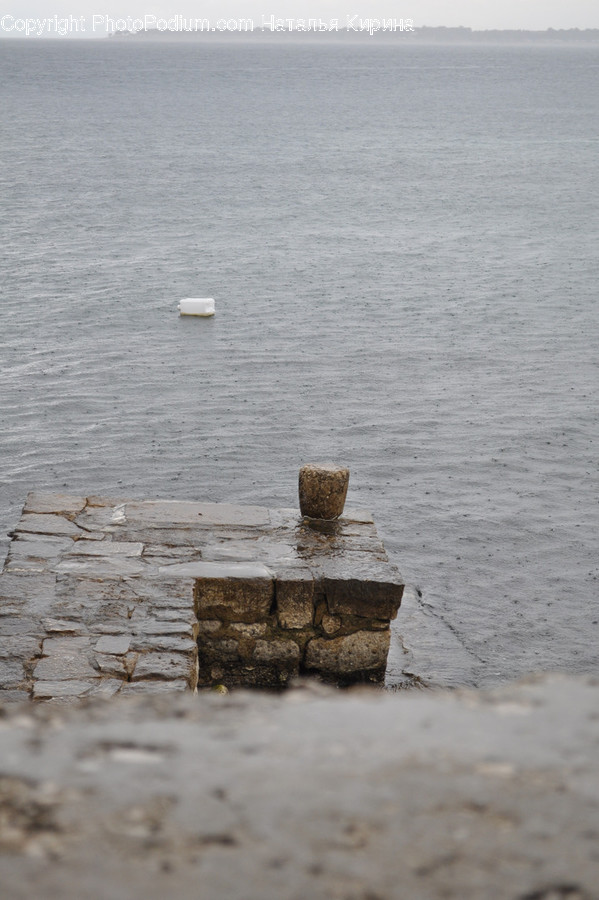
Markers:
(101, 596)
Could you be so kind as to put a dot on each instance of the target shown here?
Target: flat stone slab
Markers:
(113, 644)
(106, 548)
(48, 524)
(57, 504)
(108, 593)
(177, 512)
(227, 570)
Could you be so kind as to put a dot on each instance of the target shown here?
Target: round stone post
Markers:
(322, 490)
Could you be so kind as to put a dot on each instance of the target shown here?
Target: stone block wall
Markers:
(102, 596)
(267, 629)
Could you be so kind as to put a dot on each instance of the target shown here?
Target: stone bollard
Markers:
(322, 490)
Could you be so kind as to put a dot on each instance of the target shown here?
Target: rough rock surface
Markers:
(366, 650)
(322, 490)
(320, 794)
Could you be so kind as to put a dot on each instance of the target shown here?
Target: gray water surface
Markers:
(402, 245)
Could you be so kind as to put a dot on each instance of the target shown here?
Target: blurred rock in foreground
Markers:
(315, 793)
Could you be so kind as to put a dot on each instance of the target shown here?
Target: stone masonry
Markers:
(101, 596)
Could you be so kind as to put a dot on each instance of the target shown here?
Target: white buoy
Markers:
(196, 306)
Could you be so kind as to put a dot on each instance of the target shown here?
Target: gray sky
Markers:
(478, 14)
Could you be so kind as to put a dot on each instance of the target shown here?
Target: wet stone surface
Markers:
(104, 596)
(313, 794)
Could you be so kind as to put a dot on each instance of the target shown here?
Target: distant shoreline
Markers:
(421, 35)
(413, 36)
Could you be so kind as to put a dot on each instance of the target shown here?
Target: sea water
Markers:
(402, 246)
